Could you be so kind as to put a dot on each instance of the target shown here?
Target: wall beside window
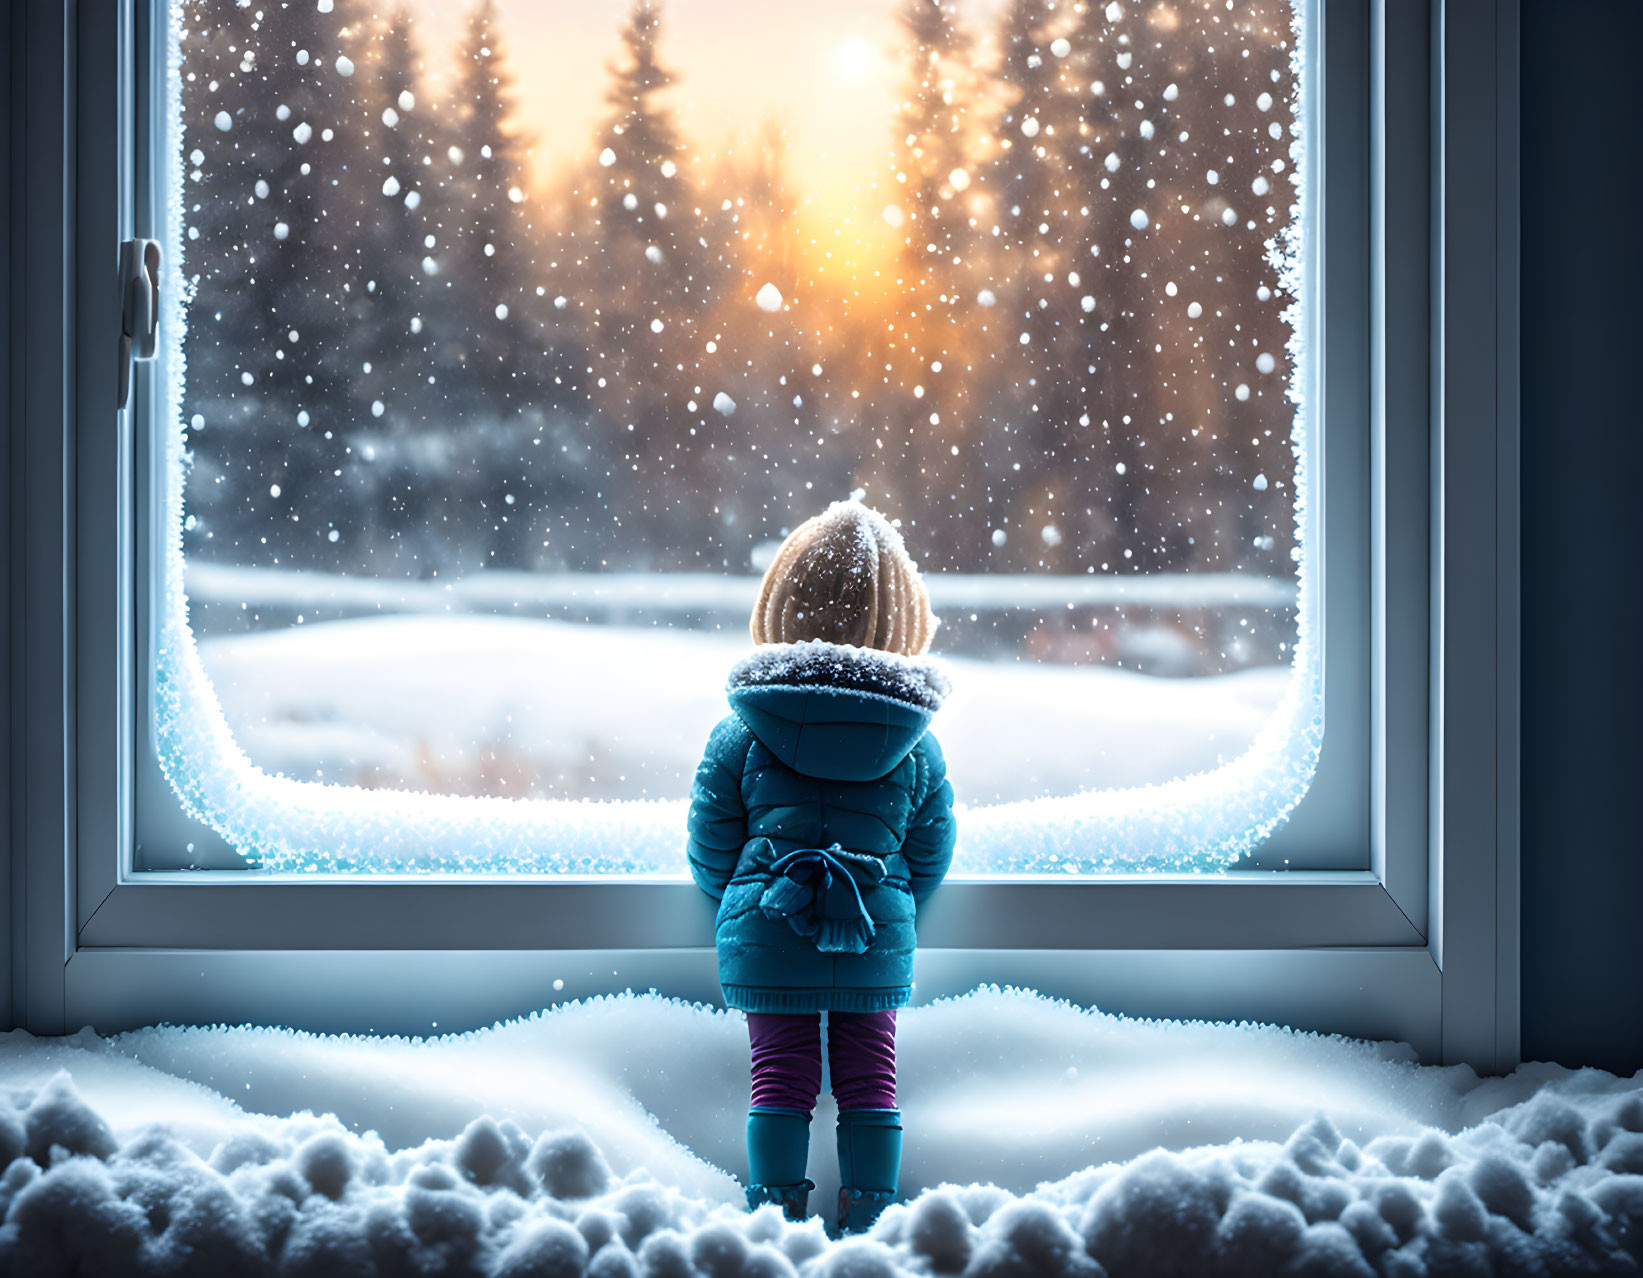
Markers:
(1582, 462)
(10, 186)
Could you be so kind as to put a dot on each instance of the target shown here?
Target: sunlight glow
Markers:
(857, 61)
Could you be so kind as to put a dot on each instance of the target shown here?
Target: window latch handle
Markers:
(139, 307)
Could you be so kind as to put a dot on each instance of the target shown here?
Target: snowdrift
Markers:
(601, 1137)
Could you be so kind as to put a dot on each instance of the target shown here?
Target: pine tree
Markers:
(484, 251)
(919, 410)
(1107, 349)
(1036, 381)
(270, 113)
(933, 136)
(651, 263)
(651, 274)
(391, 319)
(398, 207)
(1175, 339)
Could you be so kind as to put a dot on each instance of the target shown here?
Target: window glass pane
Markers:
(516, 339)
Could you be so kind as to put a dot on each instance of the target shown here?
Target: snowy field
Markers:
(498, 705)
(604, 1137)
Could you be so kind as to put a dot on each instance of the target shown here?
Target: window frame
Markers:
(1327, 831)
(1374, 950)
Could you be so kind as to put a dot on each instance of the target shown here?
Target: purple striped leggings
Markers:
(861, 1059)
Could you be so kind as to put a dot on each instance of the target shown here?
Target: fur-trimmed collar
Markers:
(815, 663)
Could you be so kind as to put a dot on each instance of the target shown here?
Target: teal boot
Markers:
(869, 1165)
(778, 1147)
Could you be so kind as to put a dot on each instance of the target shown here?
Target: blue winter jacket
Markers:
(820, 818)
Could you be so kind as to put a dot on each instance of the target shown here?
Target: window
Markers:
(499, 391)
(1394, 919)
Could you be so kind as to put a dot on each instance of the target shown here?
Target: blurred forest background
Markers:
(415, 354)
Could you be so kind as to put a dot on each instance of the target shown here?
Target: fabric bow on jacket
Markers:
(818, 892)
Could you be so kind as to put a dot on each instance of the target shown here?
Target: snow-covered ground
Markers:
(605, 1136)
(499, 705)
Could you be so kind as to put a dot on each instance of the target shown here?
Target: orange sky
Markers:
(825, 70)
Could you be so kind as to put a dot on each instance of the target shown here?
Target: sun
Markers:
(857, 61)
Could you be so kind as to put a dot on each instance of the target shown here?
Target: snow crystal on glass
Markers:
(1197, 823)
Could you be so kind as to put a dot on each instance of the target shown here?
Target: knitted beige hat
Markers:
(844, 576)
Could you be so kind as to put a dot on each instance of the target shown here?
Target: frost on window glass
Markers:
(517, 339)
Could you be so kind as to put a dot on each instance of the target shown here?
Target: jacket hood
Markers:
(833, 711)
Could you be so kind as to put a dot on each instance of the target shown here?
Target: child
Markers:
(821, 817)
